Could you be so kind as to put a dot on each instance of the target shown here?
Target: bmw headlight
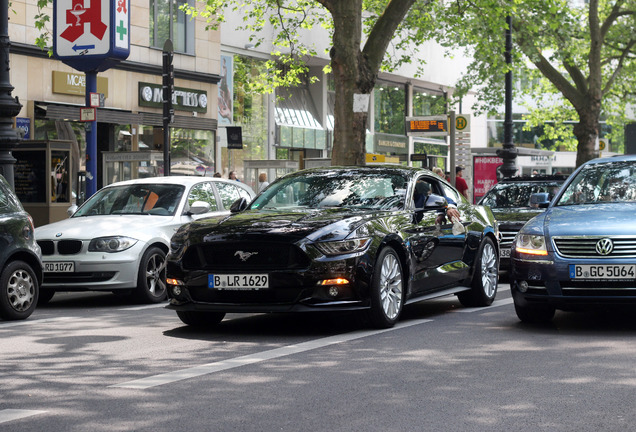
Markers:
(531, 244)
(111, 244)
(342, 247)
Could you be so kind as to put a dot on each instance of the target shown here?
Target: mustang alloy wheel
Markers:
(486, 276)
(387, 294)
(151, 281)
(19, 291)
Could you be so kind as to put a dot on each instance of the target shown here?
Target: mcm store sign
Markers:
(183, 99)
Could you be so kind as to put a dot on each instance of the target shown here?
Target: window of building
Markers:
(390, 108)
(427, 102)
(168, 21)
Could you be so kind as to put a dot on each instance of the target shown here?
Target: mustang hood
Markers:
(591, 219)
(82, 228)
(314, 224)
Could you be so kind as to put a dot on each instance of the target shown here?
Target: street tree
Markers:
(362, 31)
(584, 53)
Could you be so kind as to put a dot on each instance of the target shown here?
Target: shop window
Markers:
(390, 108)
(168, 21)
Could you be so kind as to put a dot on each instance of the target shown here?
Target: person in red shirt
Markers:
(460, 183)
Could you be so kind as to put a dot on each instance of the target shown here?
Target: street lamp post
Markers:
(9, 106)
(508, 152)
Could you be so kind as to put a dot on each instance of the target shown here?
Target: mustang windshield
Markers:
(602, 183)
(376, 190)
(151, 199)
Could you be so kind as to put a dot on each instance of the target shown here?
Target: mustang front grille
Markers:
(244, 257)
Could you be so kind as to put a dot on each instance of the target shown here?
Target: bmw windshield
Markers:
(612, 182)
(372, 190)
(149, 199)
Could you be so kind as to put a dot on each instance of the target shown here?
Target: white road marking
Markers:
(496, 303)
(8, 415)
(209, 368)
(6, 324)
(136, 308)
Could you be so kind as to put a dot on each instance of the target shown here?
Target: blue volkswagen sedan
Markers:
(582, 250)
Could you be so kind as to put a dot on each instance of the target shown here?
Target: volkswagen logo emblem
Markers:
(604, 246)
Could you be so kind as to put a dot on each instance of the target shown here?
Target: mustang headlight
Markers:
(111, 244)
(342, 247)
(531, 244)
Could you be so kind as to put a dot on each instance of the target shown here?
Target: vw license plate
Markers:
(59, 267)
(603, 271)
(238, 281)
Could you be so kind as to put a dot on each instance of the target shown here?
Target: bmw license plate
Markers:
(603, 271)
(59, 267)
(238, 281)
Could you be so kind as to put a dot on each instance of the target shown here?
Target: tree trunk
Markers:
(586, 132)
(350, 77)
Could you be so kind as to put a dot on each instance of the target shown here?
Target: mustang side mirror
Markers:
(540, 200)
(239, 205)
(435, 202)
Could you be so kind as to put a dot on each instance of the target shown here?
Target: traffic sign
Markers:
(462, 123)
(91, 35)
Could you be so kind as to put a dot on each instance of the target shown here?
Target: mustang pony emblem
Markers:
(244, 255)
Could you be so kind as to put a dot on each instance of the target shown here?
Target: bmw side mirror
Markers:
(199, 207)
(71, 210)
(540, 200)
(239, 205)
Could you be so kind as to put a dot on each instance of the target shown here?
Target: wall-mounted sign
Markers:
(183, 99)
(24, 124)
(75, 84)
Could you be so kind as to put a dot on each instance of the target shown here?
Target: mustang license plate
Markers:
(603, 271)
(59, 267)
(238, 281)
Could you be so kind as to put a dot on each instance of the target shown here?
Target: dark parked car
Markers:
(334, 239)
(582, 250)
(509, 201)
(20, 258)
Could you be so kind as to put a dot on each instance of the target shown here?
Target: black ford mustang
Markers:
(326, 239)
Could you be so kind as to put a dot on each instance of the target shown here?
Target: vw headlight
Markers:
(342, 247)
(111, 244)
(531, 244)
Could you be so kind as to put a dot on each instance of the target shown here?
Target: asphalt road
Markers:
(92, 362)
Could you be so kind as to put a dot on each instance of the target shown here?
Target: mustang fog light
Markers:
(333, 291)
(523, 286)
(176, 290)
(335, 281)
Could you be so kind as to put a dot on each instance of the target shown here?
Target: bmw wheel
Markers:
(151, 281)
(387, 293)
(485, 278)
(19, 291)
(200, 319)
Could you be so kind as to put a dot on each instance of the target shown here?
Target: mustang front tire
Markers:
(387, 293)
(485, 278)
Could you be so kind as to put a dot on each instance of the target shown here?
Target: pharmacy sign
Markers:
(91, 35)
